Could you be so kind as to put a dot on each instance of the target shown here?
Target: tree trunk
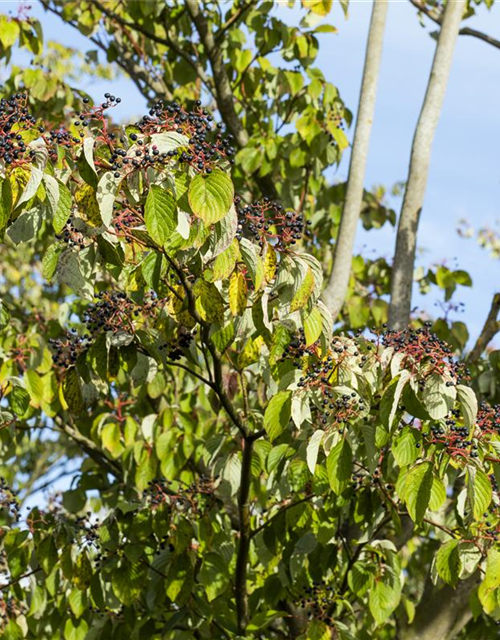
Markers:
(442, 613)
(336, 290)
(406, 240)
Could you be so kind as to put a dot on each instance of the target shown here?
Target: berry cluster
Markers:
(66, 350)
(14, 115)
(421, 348)
(86, 532)
(8, 501)
(125, 220)
(488, 418)
(297, 349)
(318, 600)
(72, 237)
(268, 221)
(454, 437)
(194, 497)
(10, 609)
(175, 350)
(114, 311)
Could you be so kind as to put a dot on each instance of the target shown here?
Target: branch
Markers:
(464, 31)
(490, 328)
(338, 282)
(16, 580)
(236, 17)
(278, 513)
(225, 99)
(240, 582)
(406, 238)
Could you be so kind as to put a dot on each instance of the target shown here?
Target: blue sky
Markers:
(464, 177)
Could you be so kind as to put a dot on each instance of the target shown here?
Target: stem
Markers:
(241, 594)
(490, 328)
(338, 283)
(406, 240)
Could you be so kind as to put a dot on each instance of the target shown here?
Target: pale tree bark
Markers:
(442, 613)
(406, 240)
(336, 289)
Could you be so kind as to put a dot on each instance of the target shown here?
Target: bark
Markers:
(490, 329)
(402, 274)
(336, 290)
(442, 613)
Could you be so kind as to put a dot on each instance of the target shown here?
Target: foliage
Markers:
(237, 468)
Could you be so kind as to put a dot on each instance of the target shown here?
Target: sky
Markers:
(464, 179)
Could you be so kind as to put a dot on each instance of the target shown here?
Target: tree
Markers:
(229, 467)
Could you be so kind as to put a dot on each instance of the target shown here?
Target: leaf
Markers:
(339, 466)
(448, 562)
(127, 582)
(168, 141)
(417, 491)
(76, 270)
(211, 196)
(238, 293)
(19, 400)
(225, 262)
(106, 194)
(63, 210)
(479, 491)
(82, 572)
(491, 581)
(312, 450)
(304, 292)
(72, 391)
(313, 326)
(41, 156)
(383, 600)
(214, 575)
(50, 260)
(209, 302)
(88, 152)
(160, 215)
(437, 398)
(26, 226)
(468, 401)
(253, 262)
(180, 579)
(278, 413)
(52, 190)
(390, 400)
(270, 263)
(320, 7)
(404, 446)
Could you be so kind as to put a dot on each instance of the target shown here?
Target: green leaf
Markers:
(214, 575)
(180, 579)
(41, 156)
(468, 401)
(50, 260)
(417, 491)
(390, 400)
(491, 580)
(160, 215)
(277, 414)
(19, 400)
(383, 600)
(313, 449)
(72, 391)
(168, 141)
(26, 226)
(448, 562)
(63, 210)
(253, 262)
(339, 466)
(127, 582)
(211, 196)
(479, 491)
(313, 326)
(106, 195)
(304, 292)
(438, 398)
(404, 446)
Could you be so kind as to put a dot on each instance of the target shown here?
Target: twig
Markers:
(16, 580)
(464, 31)
(490, 328)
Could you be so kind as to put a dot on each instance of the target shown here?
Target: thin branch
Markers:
(237, 16)
(490, 328)
(464, 31)
(16, 580)
(282, 510)
(240, 581)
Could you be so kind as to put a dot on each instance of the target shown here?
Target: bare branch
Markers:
(490, 328)
(436, 17)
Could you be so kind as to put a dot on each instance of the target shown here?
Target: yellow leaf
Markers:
(304, 292)
(321, 7)
(251, 352)
(270, 263)
(86, 201)
(208, 300)
(238, 292)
